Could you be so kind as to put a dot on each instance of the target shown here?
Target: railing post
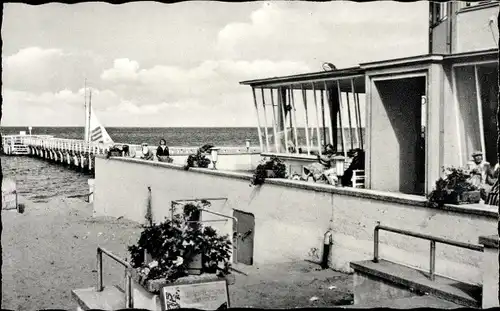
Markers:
(432, 260)
(99, 270)
(375, 242)
(128, 289)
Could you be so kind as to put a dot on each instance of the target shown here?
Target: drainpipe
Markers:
(327, 243)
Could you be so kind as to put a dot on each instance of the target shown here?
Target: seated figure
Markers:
(322, 171)
(358, 163)
(479, 171)
(146, 153)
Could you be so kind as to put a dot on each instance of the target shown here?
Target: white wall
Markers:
(291, 217)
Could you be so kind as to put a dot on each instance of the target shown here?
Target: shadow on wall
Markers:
(402, 100)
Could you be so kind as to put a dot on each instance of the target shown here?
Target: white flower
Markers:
(221, 265)
(178, 261)
(153, 264)
(184, 243)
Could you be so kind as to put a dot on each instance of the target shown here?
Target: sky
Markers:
(174, 65)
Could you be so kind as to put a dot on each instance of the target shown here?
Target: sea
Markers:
(40, 181)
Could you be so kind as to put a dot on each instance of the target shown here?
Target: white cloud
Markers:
(205, 83)
(123, 69)
(345, 33)
(34, 69)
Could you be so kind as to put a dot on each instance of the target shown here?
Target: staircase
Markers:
(385, 283)
(382, 283)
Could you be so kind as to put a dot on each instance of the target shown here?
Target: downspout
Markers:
(327, 243)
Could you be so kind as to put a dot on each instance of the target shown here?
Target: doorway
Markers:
(244, 232)
(398, 127)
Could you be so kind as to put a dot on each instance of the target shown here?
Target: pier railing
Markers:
(81, 146)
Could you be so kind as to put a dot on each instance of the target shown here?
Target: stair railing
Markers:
(129, 302)
(433, 240)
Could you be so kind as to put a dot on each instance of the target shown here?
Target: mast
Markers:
(86, 108)
(90, 112)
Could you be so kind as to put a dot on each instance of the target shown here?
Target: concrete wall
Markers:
(473, 31)
(291, 217)
(490, 278)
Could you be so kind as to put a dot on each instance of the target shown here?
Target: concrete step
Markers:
(411, 280)
(425, 301)
(111, 298)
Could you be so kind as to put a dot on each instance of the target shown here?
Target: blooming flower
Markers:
(185, 243)
(153, 264)
(178, 261)
(146, 271)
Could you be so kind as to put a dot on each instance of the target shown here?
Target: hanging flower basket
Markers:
(178, 248)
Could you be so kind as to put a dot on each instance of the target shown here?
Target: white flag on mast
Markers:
(97, 131)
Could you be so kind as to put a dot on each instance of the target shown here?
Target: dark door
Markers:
(244, 234)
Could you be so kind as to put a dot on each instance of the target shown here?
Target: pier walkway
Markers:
(80, 154)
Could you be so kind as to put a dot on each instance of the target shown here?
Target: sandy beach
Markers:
(51, 249)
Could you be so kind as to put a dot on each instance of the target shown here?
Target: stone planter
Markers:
(467, 197)
(146, 295)
(154, 286)
(270, 174)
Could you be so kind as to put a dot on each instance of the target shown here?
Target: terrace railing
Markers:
(433, 240)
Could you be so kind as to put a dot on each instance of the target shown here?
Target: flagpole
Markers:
(90, 112)
(85, 105)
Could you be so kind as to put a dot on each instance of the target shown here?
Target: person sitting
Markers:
(162, 152)
(358, 163)
(322, 171)
(128, 152)
(478, 169)
(491, 183)
(146, 153)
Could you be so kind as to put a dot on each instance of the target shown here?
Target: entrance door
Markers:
(244, 235)
(397, 149)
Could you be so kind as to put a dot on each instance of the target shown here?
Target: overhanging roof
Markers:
(344, 76)
(306, 80)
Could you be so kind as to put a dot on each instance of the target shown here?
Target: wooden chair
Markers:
(358, 179)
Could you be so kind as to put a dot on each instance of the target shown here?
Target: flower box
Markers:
(154, 286)
(467, 197)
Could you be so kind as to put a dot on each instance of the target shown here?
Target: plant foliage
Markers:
(272, 168)
(456, 180)
(174, 243)
(199, 159)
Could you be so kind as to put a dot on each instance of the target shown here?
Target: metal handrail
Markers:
(129, 302)
(432, 239)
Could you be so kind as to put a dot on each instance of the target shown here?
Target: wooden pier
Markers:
(80, 155)
(73, 153)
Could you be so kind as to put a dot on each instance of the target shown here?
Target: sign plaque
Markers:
(213, 295)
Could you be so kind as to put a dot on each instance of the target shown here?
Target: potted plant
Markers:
(272, 168)
(166, 251)
(199, 159)
(454, 188)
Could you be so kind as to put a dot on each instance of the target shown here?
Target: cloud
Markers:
(205, 83)
(339, 32)
(34, 69)
(123, 69)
